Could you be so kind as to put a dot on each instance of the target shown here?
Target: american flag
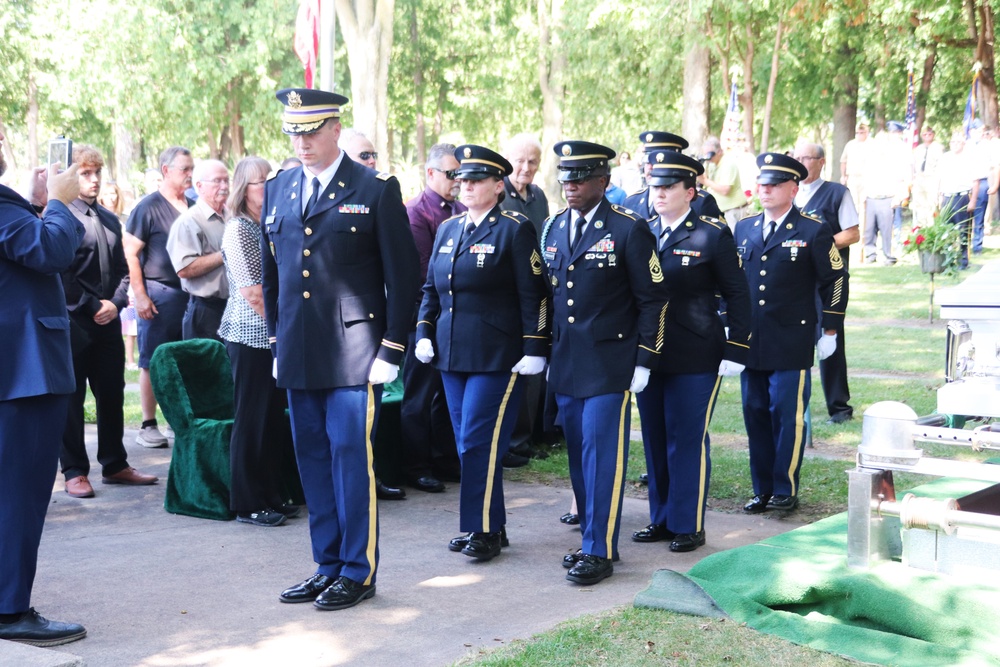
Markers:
(911, 114)
(732, 125)
(306, 43)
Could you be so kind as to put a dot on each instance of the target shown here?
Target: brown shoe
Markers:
(131, 477)
(79, 487)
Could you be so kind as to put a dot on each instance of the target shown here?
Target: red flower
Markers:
(920, 239)
(906, 242)
(748, 193)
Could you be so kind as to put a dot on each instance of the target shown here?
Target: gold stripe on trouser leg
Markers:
(372, 507)
(800, 429)
(702, 473)
(616, 490)
(492, 466)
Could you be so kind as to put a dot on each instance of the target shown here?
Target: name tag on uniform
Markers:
(354, 208)
(269, 221)
(794, 244)
(446, 248)
(549, 253)
(687, 253)
(482, 249)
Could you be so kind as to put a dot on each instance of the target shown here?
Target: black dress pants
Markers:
(262, 437)
(98, 358)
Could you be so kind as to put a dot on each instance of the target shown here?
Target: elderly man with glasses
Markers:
(358, 147)
(195, 248)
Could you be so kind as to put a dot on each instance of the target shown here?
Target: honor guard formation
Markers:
(504, 324)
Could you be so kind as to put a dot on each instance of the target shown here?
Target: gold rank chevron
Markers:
(655, 272)
(836, 261)
(536, 263)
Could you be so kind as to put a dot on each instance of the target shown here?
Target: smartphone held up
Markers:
(61, 152)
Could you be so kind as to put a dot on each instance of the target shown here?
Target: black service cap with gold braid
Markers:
(582, 159)
(777, 168)
(653, 140)
(669, 167)
(306, 109)
(477, 162)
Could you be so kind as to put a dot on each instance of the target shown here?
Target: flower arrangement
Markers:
(942, 237)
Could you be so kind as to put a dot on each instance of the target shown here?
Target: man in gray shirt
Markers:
(195, 249)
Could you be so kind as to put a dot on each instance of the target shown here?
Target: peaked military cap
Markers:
(582, 159)
(895, 126)
(653, 140)
(669, 167)
(777, 168)
(306, 110)
(478, 162)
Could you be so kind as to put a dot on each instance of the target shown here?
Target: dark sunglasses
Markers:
(368, 155)
(449, 174)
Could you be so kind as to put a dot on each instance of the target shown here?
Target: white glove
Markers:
(826, 345)
(529, 365)
(274, 368)
(639, 379)
(424, 351)
(382, 372)
(728, 369)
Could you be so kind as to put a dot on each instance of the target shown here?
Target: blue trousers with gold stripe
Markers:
(597, 429)
(333, 431)
(774, 411)
(483, 409)
(676, 409)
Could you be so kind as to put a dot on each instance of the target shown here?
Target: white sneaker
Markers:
(151, 437)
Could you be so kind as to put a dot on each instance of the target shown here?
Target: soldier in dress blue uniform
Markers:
(484, 318)
(609, 306)
(655, 141)
(699, 262)
(788, 256)
(340, 274)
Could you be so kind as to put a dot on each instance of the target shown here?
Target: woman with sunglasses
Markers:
(484, 322)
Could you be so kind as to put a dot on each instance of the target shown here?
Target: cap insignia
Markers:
(649, 137)
(659, 157)
(566, 150)
(468, 152)
(294, 100)
(768, 159)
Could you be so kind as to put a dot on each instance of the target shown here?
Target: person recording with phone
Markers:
(38, 239)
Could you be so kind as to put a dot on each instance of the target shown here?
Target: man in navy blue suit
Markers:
(36, 380)
(340, 276)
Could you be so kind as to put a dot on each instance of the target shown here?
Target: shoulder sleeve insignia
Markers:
(836, 261)
(383, 176)
(715, 222)
(536, 262)
(655, 272)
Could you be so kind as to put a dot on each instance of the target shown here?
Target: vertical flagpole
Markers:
(327, 43)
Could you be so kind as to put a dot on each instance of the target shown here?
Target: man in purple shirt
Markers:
(428, 437)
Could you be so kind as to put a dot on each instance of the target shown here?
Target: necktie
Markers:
(664, 235)
(314, 198)
(923, 165)
(578, 231)
(467, 233)
(103, 252)
(769, 229)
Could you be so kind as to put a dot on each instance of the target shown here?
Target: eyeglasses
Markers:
(216, 181)
(448, 173)
(808, 157)
(183, 170)
(368, 155)
(257, 182)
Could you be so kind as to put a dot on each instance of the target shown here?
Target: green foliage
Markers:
(941, 237)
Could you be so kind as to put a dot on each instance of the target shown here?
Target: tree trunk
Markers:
(769, 100)
(418, 91)
(551, 65)
(126, 154)
(367, 29)
(925, 84)
(32, 121)
(985, 57)
(11, 160)
(234, 114)
(694, 119)
(746, 97)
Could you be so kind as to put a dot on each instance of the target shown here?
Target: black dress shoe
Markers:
(644, 478)
(757, 504)
(840, 418)
(428, 484)
(383, 492)
(308, 590)
(32, 628)
(569, 560)
(570, 519)
(654, 532)
(460, 542)
(290, 511)
(449, 475)
(343, 593)
(688, 541)
(590, 570)
(483, 546)
(783, 503)
(512, 460)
